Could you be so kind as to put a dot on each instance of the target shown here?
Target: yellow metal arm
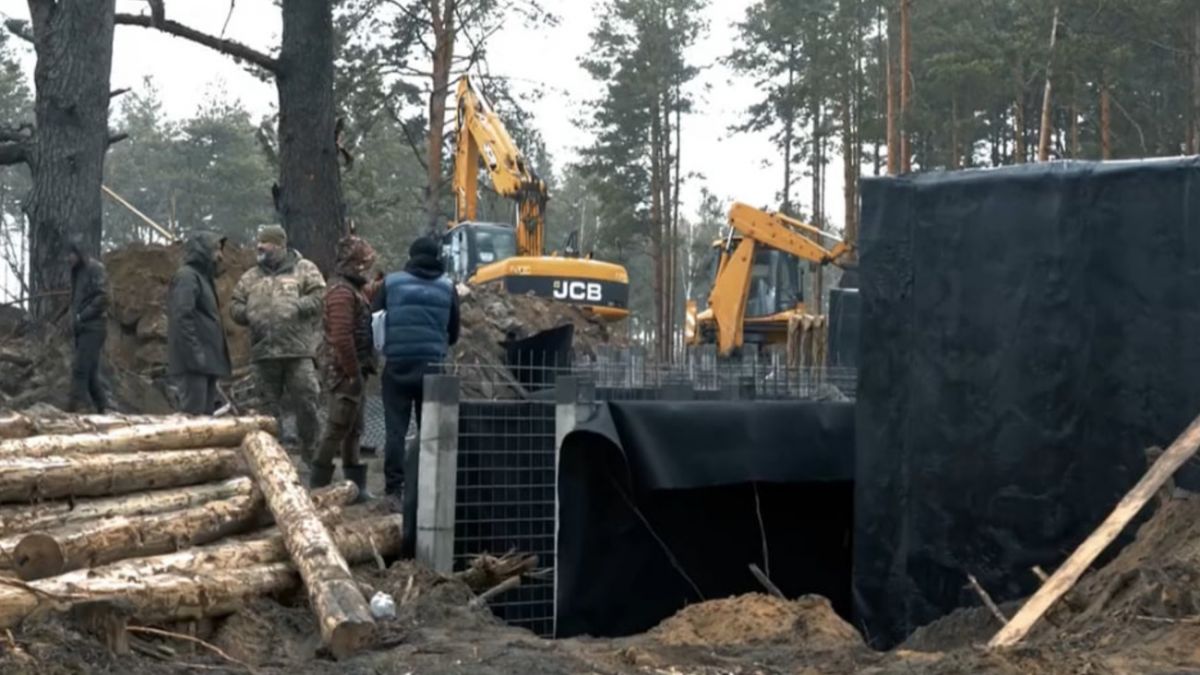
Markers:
(482, 137)
(780, 232)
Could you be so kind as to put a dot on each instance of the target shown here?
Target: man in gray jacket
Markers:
(197, 351)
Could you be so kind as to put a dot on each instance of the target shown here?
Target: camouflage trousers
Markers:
(343, 425)
(293, 380)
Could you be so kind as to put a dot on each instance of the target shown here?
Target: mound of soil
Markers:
(755, 617)
(139, 277)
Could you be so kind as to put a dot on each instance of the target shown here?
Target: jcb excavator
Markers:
(757, 293)
(513, 256)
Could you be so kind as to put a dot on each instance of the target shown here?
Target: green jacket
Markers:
(282, 308)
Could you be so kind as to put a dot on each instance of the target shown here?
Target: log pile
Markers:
(166, 519)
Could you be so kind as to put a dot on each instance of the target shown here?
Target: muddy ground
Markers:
(1137, 615)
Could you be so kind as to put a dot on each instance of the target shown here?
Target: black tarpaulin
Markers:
(1026, 332)
(660, 505)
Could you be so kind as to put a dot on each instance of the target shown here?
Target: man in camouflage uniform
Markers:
(348, 357)
(280, 301)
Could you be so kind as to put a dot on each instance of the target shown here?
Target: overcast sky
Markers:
(744, 167)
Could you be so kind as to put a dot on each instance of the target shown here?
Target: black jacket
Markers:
(89, 293)
(195, 337)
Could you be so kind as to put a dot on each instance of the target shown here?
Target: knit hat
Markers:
(272, 234)
(424, 246)
(354, 255)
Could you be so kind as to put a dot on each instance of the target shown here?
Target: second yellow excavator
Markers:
(757, 290)
(513, 256)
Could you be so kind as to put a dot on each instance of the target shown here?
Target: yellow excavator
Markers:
(512, 256)
(757, 289)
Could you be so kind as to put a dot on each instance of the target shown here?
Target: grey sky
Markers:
(744, 167)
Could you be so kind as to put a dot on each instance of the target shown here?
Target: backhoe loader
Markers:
(513, 256)
(757, 289)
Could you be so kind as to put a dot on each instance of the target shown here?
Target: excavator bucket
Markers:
(807, 340)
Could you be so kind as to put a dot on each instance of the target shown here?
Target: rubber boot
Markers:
(358, 476)
(320, 476)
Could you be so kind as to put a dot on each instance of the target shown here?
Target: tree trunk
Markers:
(1076, 147)
(669, 246)
(1105, 120)
(905, 86)
(16, 425)
(1044, 130)
(850, 169)
(789, 131)
(342, 612)
(310, 200)
(73, 42)
(50, 515)
(675, 268)
(358, 541)
(442, 15)
(26, 479)
(1019, 153)
(656, 226)
(1195, 126)
(893, 129)
(954, 153)
(46, 554)
(195, 432)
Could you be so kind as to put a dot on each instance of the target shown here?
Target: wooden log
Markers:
(19, 600)
(341, 610)
(31, 479)
(19, 425)
(1067, 574)
(195, 432)
(45, 554)
(49, 515)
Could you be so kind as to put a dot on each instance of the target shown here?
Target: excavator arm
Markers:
(757, 227)
(482, 138)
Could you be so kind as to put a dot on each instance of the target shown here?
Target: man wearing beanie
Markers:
(421, 323)
(280, 301)
(349, 358)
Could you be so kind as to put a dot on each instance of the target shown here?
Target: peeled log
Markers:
(49, 515)
(46, 554)
(30, 479)
(17, 425)
(342, 613)
(357, 541)
(192, 432)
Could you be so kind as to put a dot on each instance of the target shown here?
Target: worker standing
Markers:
(280, 300)
(197, 350)
(89, 319)
(349, 359)
(420, 324)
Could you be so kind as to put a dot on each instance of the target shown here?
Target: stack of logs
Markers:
(162, 519)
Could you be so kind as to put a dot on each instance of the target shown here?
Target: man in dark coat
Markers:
(421, 323)
(89, 323)
(197, 351)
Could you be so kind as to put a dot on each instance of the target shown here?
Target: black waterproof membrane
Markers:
(666, 503)
(1026, 332)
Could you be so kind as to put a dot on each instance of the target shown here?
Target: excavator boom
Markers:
(495, 254)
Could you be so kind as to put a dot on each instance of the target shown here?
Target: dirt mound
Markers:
(266, 631)
(754, 618)
(491, 317)
(139, 277)
(961, 628)
(1152, 583)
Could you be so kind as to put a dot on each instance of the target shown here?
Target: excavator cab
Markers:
(469, 246)
(776, 284)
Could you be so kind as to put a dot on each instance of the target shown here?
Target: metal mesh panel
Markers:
(505, 498)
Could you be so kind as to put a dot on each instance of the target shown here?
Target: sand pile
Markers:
(752, 618)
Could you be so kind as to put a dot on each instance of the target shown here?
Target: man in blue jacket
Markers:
(420, 325)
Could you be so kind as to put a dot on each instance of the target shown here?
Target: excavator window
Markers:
(469, 246)
(776, 283)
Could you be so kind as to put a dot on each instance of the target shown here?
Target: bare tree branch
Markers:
(114, 138)
(20, 28)
(225, 26)
(117, 92)
(12, 153)
(231, 48)
(412, 143)
(21, 134)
